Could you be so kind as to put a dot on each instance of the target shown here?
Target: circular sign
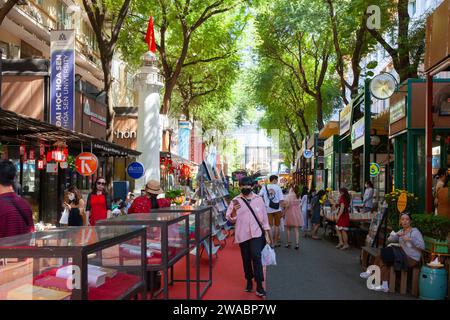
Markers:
(135, 170)
(307, 154)
(86, 163)
(402, 202)
(374, 169)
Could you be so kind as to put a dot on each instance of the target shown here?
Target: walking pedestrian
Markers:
(75, 205)
(252, 231)
(274, 200)
(315, 213)
(98, 204)
(306, 210)
(293, 216)
(16, 215)
(343, 219)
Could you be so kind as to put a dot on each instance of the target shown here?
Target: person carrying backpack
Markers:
(274, 200)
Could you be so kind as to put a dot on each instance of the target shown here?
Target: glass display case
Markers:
(74, 263)
(167, 242)
(200, 220)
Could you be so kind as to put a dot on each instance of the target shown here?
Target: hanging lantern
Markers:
(31, 157)
(41, 149)
(41, 165)
(22, 149)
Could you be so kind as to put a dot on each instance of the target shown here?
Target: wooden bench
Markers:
(404, 280)
(368, 254)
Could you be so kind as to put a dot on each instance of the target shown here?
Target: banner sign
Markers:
(184, 139)
(136, 170)
(345, 117)
(62, 83)
(94, 117)
(397, 111)
(357, 136)
(328, 146)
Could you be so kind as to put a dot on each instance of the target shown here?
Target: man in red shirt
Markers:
(16, 216)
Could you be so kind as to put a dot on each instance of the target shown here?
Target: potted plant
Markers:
(435, 231)
(175, 196)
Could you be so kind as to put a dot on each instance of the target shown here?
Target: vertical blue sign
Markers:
(184, 139)
(62, 86)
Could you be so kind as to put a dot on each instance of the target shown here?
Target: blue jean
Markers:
(251, 258)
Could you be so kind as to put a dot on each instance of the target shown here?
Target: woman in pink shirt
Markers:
(248, 212)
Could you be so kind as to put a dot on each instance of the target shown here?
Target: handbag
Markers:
(259, 223)
(272, 204)
(64, 217)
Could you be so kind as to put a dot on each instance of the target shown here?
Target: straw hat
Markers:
(153, 187)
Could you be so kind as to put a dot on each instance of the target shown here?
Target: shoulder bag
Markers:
(259, 223)
(272, 204)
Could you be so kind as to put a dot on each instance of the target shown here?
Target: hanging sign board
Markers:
(62, 78)
(328, 146)
(357, 136)
(402, 202)
(374, 169)
(345, 117)
(307, 154)
(86, 163)
(135, 170)
(52, 167)
(397, 111)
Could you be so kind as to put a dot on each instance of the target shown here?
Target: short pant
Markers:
(274, 218)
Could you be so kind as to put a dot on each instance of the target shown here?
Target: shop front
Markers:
(407, 131)
(329, 134)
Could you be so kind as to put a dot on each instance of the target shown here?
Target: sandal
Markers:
(345, 247)
(339, 246)
(287, 245)
(297, 246)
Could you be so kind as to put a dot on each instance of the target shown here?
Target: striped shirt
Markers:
(12, 222)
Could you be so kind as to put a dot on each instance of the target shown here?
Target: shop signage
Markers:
(52, 168)
(357, 136)
(125, 134)
(62, 78)
(374, 169)
(307, 154)
(94, 117)
(40, 164)
(397, 111)
(345, 117)
(136, 170)
(328, 146)
(86, 163)
(402, 202)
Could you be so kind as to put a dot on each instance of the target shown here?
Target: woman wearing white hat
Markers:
(144, 204)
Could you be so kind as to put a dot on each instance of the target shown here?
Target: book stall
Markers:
(75, 263)
(167, 242)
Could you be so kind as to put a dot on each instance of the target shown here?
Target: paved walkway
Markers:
(320, 271)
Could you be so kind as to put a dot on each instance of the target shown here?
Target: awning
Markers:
(174, 157)
(17, 128)
(380, 123)
(330, 129)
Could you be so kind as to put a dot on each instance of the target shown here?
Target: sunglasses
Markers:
(101, 183)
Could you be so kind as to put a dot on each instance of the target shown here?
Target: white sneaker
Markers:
(365, 275)
(381, 289)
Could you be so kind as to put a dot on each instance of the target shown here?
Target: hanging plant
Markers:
(71, 162)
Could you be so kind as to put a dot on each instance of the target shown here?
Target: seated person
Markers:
(411, 246)
(144, 204)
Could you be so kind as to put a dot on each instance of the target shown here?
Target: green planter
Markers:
(439, 246)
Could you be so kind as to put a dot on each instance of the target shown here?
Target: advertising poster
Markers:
(62, 83)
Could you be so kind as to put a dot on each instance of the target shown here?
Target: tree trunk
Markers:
(319, 110)
(6, 8)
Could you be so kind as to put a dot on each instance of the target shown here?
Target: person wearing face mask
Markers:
(74, 204)
(252, 231)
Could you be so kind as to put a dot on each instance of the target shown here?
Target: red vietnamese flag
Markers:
(150, 36)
